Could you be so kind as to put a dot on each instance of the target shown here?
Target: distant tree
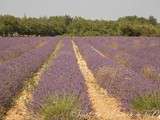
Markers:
(68, 19)
(78, 26)
(8, 25)
(129, 30)
(153, 20)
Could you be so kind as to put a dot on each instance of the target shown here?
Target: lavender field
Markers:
(80, 78)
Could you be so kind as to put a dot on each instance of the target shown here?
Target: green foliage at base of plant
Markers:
(60, 108)
(147, 103)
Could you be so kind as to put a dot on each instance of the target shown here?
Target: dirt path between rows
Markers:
(104, 106)
(19, 111)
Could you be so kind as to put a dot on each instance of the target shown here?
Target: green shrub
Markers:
(147, 103)
(60, 108)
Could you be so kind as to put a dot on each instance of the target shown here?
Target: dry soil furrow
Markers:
(104, 106)
(19, 111)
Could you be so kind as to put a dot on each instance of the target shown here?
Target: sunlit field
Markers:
(79, 78)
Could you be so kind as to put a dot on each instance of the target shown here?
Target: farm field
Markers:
(80, 78)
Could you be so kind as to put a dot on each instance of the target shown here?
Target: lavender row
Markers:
(146, 51)
(136, 58)
(13, 42)
(19, 49)
(120, 82)
(62, 78)
(15, 72)
(8, 42)
(127, 42)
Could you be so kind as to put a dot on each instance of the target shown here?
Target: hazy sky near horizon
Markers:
(92, 9)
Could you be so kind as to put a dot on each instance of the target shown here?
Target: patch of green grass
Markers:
(147, 103)
(60, 108)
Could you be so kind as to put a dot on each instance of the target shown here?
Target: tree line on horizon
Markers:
(78, 26)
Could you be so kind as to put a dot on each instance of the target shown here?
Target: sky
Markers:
(90, 9)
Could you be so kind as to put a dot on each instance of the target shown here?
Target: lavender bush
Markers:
(62, 79)
(15, 72)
